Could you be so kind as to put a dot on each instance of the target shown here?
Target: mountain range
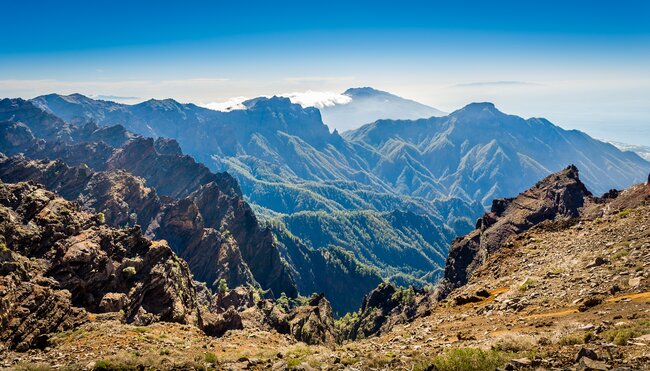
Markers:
(393, 193)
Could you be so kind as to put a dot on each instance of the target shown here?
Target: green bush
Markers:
(469, 359)
(625, 212)
(621, 335)
(129, 272)
(222, 286)
(106, 365)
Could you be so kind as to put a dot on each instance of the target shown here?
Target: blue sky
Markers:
(582, 64)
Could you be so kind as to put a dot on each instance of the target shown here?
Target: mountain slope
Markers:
(475, 151)
(201, 214)
(285, 160)
(444, 168)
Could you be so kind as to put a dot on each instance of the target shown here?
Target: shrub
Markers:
(576, 338)
(621, 335)
(528, 283)
(106, 365)
(513, 344)
(624, 213)
(101, 217)
(222, 286)
(210, 357)
(469, 359)
(129, 272)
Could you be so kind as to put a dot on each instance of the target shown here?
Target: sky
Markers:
(581, 64)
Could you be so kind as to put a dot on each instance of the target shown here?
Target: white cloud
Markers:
(318, 99)
(309, 98)
(235, 103)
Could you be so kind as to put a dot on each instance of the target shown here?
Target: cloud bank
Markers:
(309, 98)
(318, 99)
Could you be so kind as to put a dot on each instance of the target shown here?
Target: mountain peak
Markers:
(480, 106)
(478, 109)
(365, 91)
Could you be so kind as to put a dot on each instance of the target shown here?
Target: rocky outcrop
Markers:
(58, 260)
(171, 174)
(309, 321)
(384, 307)
(313, 323)
(123, 198)
(30, 305)
(211, 253)
(560, 196)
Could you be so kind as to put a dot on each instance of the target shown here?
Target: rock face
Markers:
(58, 261)
(140, 181)
(383, 308)
(559, 196)
(313, 323)
(310, 322)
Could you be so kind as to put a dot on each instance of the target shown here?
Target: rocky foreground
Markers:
(552, 279)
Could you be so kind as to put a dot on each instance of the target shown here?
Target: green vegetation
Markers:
(513, 344)
(222, 286)
(101, 218)
(467, 359)
(109, 365)
(621, 335)
(624, 213)
(528, 283)
(141, 329)
(576, 338)
(403, 247)
(3, 247)
(129, 272)
(210, 357)
(405, 296)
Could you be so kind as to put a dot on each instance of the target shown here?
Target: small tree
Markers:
(222, 286)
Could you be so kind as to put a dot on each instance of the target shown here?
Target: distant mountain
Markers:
(480, 153)
(368, 105)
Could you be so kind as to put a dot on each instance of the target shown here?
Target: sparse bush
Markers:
(528, 283)
(576, 338)
(222, 286)
(624, 213)
(469, 359)
(621, 335)
(3, 247)
(513, 344)
(101, 218)
(106, 365)
(210, 357)
(129, 272)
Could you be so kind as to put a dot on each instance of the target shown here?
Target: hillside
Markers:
(568, 291)
(152, 184)
(444, 168)
(473, 151)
